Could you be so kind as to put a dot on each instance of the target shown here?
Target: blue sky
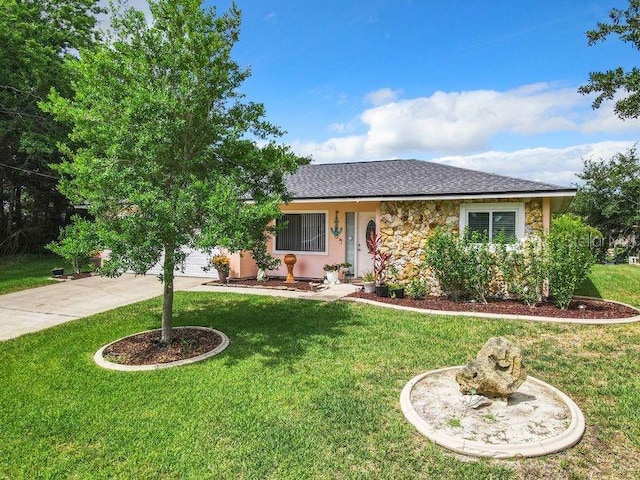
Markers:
(484, 85)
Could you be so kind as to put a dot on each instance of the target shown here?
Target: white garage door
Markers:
(193, 265)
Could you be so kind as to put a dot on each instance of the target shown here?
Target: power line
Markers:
(29, 171)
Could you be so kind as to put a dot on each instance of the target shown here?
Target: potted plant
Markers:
(381, 261)
(396, 290)
(332, 270)
(369, 281)
(345, 270)
(221, 264)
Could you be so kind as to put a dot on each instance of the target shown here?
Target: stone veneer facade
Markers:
(406, 225)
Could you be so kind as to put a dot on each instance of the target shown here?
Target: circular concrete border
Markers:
(99, 359)
(568, 438)
(507, 316)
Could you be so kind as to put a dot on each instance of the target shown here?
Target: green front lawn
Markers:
(305, 390)
(615, 282)
(28, 271)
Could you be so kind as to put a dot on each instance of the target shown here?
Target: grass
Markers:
(293, 397)
(615, 282)
(28, 271)
(305, 390)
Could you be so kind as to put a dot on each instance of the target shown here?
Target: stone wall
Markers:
(406, 225)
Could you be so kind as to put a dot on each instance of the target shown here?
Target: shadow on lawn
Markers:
(280, 330)
(588, 289)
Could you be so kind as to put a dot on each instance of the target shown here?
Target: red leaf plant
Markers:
(381, 259)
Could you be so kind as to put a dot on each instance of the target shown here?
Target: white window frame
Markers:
(326, 234)
(518, 208)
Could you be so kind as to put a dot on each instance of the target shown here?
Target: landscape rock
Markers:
(497, 371)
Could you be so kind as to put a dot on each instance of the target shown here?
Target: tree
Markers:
(39, 39)
(171, 151)
(609, 199)
(626, 25)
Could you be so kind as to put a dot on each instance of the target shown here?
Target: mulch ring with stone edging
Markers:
(273, 284)
(147, 349)
(579, 308)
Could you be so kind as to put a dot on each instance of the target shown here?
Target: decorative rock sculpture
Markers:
(497, 371)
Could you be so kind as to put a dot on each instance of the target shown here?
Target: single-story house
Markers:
(335, 206)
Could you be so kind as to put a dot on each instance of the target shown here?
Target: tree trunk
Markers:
(167, 299)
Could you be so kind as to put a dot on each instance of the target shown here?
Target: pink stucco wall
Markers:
(309, 264)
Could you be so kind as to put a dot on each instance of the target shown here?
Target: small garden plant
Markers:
(221, 263)
(78, 242)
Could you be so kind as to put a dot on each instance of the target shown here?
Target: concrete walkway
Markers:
(330, 294)
(43, 307)
(38, 308)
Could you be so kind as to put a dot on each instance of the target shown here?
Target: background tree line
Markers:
(38, 40)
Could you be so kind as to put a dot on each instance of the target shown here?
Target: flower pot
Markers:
(222, 276)
(369, 287)
(332, 277)
(382, 290)
(397, 293)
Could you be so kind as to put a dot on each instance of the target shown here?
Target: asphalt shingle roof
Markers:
(404, 178)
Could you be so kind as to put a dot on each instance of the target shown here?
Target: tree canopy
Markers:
(39, 39)
(625, 24)
(170, 151)
(609, 199)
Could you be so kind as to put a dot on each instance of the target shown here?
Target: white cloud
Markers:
(337, 127)
(382, 96)
(552, 165)
(464, 122)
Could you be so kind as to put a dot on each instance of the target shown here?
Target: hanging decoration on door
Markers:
(336, 230)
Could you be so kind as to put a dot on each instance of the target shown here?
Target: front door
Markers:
(366, 225)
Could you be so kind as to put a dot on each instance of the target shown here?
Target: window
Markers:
(492, 219)
(304, 232)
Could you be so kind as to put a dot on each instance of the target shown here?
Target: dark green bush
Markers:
(570, 256)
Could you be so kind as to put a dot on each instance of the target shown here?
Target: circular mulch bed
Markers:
(145, 351)
(593, 309)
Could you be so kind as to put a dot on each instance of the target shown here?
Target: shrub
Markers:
(570, 256)
(482, 265)
(417, 289)
(78, 241)
(264, 260)
(448, 261)
(465, 267)
(524, 269)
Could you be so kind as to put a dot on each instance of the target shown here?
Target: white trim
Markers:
(470, 196)
(297, 252)
(466, 208)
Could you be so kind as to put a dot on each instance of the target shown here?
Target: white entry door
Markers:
(366, 225)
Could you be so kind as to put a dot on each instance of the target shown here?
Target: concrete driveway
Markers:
(37, 308)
